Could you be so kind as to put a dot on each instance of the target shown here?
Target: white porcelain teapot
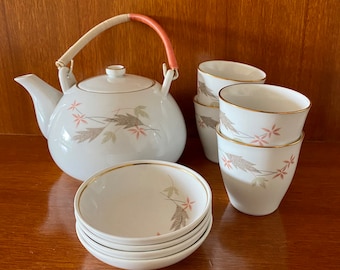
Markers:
(109, 118)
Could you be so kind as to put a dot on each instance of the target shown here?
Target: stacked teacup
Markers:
(259, 137)
(212, 76)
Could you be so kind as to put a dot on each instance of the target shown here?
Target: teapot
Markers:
(111, 118)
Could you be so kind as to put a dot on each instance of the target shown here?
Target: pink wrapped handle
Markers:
(91, 34)
(160, 31)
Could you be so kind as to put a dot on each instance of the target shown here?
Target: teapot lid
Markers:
(116, 81)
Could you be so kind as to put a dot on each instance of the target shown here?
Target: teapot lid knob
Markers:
(115, 71)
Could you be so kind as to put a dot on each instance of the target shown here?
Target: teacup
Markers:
(207, 117)
(256, 178)
(262, 114)
(216, 74)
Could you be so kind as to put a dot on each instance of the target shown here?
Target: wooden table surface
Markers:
(37, 225)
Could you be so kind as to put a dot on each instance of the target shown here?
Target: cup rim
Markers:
(221, 98)
(223, 136)
(231, 79)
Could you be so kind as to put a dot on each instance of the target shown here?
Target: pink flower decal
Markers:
(181, 206)
(260, 176)
(260, 140)
(290, 161)
(79, 118)
(126, 119)
(274, 131)
(227, 162)
(138, 131)
(281, 173)
(74, 105)
(187, 204)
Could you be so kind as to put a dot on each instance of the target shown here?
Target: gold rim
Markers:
(115, 92)
(220, 134)
(205, 185)
(177, 166)
(203, 105)
(265, 86)
(231, 79)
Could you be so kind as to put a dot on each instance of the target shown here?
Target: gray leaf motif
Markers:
(208, 121)
(204, 89)
(259, 182)
(170, 191)
(88, 134)
(139, 111)
(179, 218)
(109, 136)
(227, 123)
(127, 120)
(242, 164)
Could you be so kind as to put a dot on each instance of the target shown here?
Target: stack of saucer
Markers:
(212, 76)
(143, 214)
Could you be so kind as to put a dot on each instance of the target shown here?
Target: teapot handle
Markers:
(169, 75)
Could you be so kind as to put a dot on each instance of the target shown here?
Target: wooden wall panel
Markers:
(320, 68)
(295, 42)
(36, 30)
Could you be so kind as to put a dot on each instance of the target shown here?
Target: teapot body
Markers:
(91, 131)
(110, 118)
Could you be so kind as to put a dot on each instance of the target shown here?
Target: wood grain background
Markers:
(296, 42)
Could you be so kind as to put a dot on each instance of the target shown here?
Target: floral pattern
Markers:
(180, 216)
(261, 177)
(258, 139)
(126, 119)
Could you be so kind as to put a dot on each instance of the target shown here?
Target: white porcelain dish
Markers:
(145, 264)
(146, 255)
(143, 248)
(143, 202)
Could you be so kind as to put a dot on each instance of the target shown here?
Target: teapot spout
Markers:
(44, 96)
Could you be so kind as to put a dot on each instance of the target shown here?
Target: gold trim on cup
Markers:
(231, 79)
(195, 100)
(219, 133)
(265, 86)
